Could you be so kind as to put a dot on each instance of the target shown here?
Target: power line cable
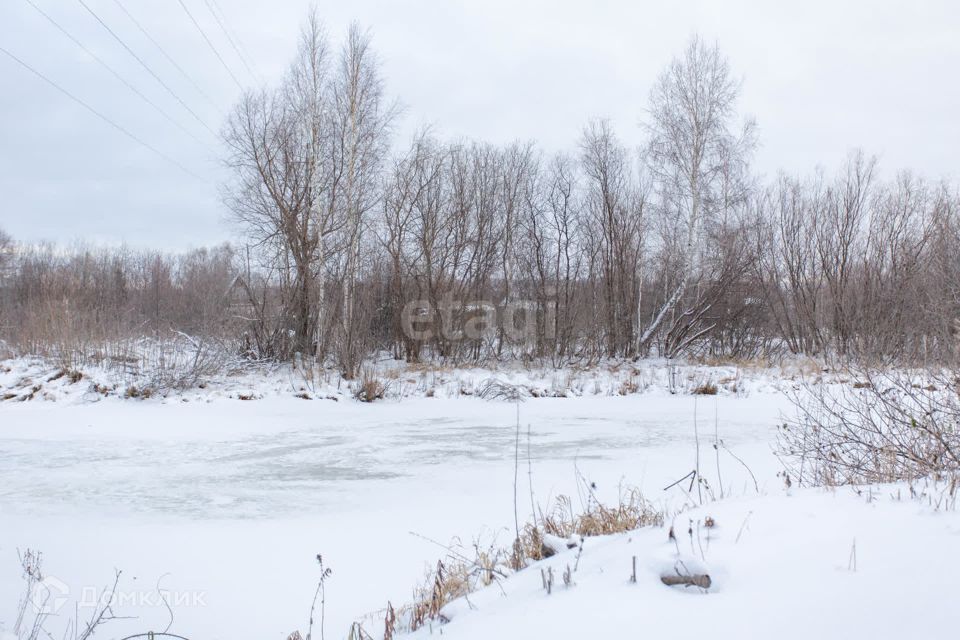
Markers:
(106, 66)
(210, 44)
(166, 55)
(230, 39)
(147, 67)
(237, 39)
(113, 124)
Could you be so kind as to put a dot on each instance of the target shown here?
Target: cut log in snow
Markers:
(701, 580)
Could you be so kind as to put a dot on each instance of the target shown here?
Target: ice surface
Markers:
(234, 499)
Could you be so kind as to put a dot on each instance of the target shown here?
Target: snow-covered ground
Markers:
(234, 499)
(792, 564)
(32, 379)
(225, 504)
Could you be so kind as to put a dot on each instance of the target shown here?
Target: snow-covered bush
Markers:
(878, 427)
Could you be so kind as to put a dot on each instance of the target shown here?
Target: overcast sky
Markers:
(820, 77)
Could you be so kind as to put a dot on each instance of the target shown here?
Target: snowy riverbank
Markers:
(226, 503)
(29, 379)
(871, 563)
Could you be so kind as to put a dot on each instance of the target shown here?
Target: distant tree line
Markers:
(77, 302)
(352, 249)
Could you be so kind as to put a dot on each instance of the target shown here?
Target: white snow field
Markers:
(225, 504)
(813, 564)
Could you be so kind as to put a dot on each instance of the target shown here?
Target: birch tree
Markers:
(693, 142)
(361, 121)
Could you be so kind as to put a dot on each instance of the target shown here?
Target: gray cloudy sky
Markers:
(820, 77)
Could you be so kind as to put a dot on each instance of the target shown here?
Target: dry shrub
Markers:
(133, 391)
(730, 383)
(493, 389)
(357, 632)
(34, 390)
(629, 386)
(707, 388)
(632, 512)
(464, 571)
(72, 375)
(455, 577)
(389, 622)
(443, 585)
(887, 429)
(369, 388)
(101, 389)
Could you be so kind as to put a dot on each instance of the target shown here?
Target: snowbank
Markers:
(868, 563)
(28, 379)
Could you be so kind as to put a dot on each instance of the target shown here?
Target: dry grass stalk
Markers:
(461, 574)
(705, 389)
(369, 388)
(632, 512)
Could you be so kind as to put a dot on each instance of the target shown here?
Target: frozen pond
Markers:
(234, 499)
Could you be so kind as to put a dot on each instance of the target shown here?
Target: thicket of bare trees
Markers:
(859, 267)
(307, 157)
(470, 252)
(81, 305)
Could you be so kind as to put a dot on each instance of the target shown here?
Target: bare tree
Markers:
(609, 253)
(787, 267)
(692, 152)
(274, 140)
(6, 268)
(615, 205)
(307, 159)
(6, 247)
(548, 254)
(840, 232)
(361, 121)
(517, 166)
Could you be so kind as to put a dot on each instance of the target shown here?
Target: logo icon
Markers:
(49, 595)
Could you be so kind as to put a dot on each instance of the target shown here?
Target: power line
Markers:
(147, 67)
(230, 39)
(106, 66)
(113, 124)
(209, 43)
(237, 39)
(166, 55)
